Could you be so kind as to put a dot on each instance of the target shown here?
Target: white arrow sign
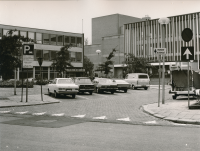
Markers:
(187, 53)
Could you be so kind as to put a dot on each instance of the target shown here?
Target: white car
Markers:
(64, 86)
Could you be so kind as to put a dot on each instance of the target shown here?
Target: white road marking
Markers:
(151, 122)
(42, 113)
(124, 119)
(82, 97)
(79, 116)
(21, 112)
(100, 118)
(101, 95)
(60, 114)
(5, 111)
(178, 124)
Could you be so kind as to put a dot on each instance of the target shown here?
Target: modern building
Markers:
(46, 44)
(142, 37)
(108, 34)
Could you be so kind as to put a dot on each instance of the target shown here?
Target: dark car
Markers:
(85, 84)
(104, 84)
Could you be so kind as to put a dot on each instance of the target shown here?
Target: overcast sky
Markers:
(68, 15)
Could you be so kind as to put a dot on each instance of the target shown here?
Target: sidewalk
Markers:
(14, 101)
(175, 111)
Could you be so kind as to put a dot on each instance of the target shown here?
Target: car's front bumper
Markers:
(67, 92)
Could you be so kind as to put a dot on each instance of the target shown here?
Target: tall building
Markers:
(142, 37)
(108, 34)
(46, 44)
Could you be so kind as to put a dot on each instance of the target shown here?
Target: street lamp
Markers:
(40, 60)
(163, 21)
(98, 52)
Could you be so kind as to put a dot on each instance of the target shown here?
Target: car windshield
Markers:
(143, 77)
(64, 81)
(105, 81)
(84, 80)
(120, 81)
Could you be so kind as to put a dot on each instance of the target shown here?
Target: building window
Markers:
(53, 54)
(46, 55)
(1, 34)
(5, 32)
(38, 53)
(38, 38)
(23, 33)
(73, 56)
(79, 42)
(31, 36)
(73, 41)
(79, 56)
(46, 39)
(60, 40)
(53, 39)
(67, 40)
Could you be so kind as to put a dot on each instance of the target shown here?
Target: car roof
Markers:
(138, 73)
(63, 78)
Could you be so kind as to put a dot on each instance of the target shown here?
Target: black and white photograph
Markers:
(99, 75)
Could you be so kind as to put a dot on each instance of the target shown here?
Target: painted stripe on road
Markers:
(124, 119)
(82, 97)
(79, 116)
(100, 118)
(101, 95)
(42, 113)
(150, 122)
(5, 111)
(59, 114)
(21, 112)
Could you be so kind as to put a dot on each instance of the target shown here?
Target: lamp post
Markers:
(163, 22)
(98, 52)
(40, 60)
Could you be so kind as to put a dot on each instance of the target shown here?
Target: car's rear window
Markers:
(65, 81)
(142, 76)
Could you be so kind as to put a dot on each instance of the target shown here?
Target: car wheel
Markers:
(56, 94)
(146, 88)
(90, 92)
(133, 87)
(112, 92)
(73, 96)
(125, 91)
(49, 93)
(98, 90)
(174, 97)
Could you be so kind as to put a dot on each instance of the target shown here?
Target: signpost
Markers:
(187, 54)
(160, 51)
(28, 58)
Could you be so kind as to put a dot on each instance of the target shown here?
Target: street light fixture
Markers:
(40, 60)
(163, 21)
(98, 52)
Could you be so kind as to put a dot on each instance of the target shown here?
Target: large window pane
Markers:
(23, 33)
(46, 54)
(79, 42)
(31, 36)
(73, 41)
(5, 31)
(67, 40)
(38, 53)
(79, 56)
(53, 54)
(53, 39)
(60, 40)
(1, 33)
(45, 38)
(39, 38)
(73, 56)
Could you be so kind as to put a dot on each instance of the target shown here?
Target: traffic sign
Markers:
(160, 50)
(187, 53)
(28, 55)
(187, 34)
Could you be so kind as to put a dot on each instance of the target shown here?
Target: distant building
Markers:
(107, 34)
(47, 43)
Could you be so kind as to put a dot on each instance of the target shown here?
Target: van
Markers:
(138, 80)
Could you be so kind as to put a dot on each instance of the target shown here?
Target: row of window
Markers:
(49, 55)
(48, 39)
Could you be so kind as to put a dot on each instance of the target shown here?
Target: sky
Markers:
(76, 15)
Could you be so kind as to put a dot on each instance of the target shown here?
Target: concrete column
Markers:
(48, 73)
(33, 72)
(17, 73)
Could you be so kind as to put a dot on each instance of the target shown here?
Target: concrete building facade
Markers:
(46, 44)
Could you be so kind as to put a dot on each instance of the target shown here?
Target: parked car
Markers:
(85, 84)
(138, 80)
(122, 84)
(104, 84)
(63, 86)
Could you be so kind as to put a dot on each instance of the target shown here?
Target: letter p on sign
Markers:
(28, 49)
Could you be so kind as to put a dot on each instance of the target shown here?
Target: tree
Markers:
(136, 65)
(88, 65)
(106, 66)
(62, 60)
(10, 52)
